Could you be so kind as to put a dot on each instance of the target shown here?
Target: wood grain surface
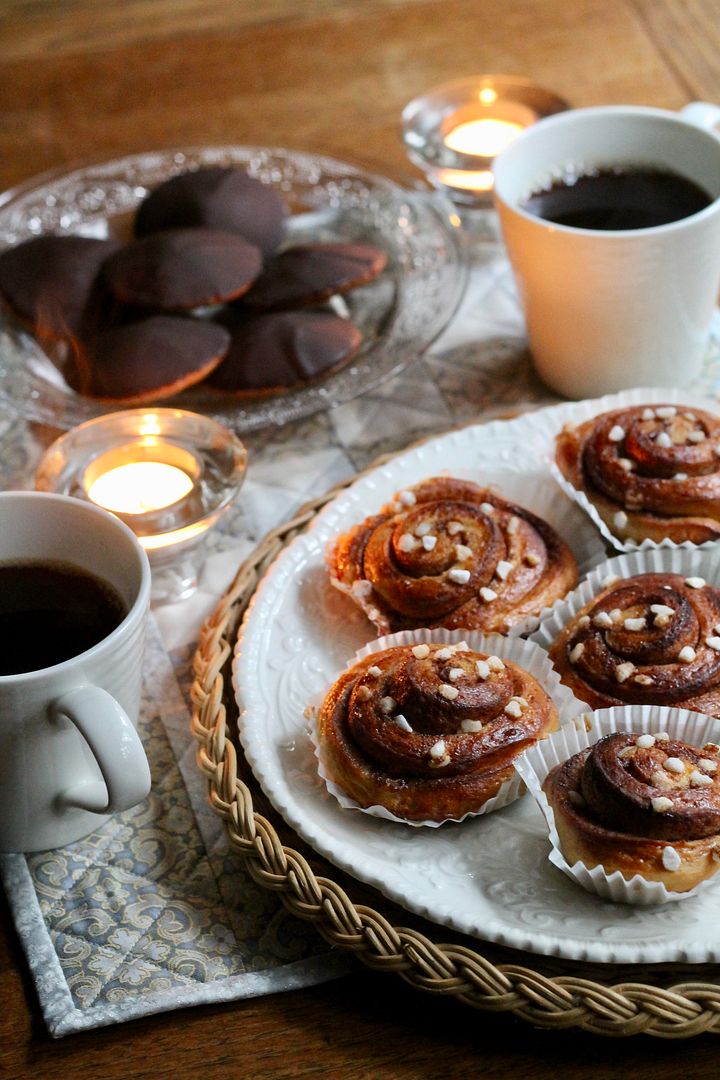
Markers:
(90, 79)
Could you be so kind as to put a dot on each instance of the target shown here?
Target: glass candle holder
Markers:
(167, 473)
(455, 131)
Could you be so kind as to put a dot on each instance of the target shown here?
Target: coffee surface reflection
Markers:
(51, 611)
(618, 199)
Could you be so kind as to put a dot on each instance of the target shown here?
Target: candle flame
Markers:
(485, 137)
(139, 487)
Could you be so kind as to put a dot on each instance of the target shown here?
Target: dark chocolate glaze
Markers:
(274, 351)
(148, 360)
(51, 282)
(309, 273)
(216, 198)
(183, 268)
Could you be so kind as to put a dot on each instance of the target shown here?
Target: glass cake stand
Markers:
(400, 314)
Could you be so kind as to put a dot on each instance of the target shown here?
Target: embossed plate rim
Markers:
(613, 933)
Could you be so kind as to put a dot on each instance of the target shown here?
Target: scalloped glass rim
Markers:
(400, 314)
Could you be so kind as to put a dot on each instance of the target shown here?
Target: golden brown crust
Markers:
(450, 553)
(651, 471)
(467, 724)
(651, 808)
(653, 639)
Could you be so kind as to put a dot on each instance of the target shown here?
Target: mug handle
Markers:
(702, 114)
(115, 745)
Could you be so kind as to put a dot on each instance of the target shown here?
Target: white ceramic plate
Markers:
(488, 876)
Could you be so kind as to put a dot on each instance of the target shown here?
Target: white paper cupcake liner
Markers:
(587, 410)
(584, 731)
(523, 653)
(535, 492)
(698, 561)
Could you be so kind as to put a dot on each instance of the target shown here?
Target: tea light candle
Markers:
(486, 137)
(455, 131)
(140, 478)
(167, 473)
(140, 486)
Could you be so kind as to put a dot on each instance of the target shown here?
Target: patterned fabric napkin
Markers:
(153, 912)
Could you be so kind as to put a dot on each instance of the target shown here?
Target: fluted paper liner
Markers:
(696, 561)
(588, 410)
(525, 654)
(690, 727)
(537, 493)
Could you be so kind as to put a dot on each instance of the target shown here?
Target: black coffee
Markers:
(621, 198)
(51, 611)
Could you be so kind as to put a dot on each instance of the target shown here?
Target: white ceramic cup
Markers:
(608, 310)
(69, 751)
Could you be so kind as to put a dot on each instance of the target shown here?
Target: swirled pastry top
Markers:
(642, 804)
(450, 553)
(651, 471)
(649, 639)
(430, 731)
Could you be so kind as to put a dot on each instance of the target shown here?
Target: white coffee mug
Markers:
(69, 751)
(608, 310)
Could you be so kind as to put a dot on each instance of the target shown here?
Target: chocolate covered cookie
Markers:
(275, 351)
(224, 198)
(309, 273)
(182, 269)
(51, 282)
(152, 359)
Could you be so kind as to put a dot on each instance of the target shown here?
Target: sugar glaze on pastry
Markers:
(430, 731)
(641, 804)
(450, 553)
(651, 471)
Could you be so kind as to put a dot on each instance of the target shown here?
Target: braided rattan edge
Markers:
(562, 1001)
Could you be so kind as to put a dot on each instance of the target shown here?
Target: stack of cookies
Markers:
(207, 289)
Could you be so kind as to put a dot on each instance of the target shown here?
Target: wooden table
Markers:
(86, 80)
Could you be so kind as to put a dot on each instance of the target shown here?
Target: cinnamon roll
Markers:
(450, 553)
(651, 471)
(429, 731)
(652, 639)
(640, 804)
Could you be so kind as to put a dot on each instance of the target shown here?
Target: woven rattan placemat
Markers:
(667, 1001)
